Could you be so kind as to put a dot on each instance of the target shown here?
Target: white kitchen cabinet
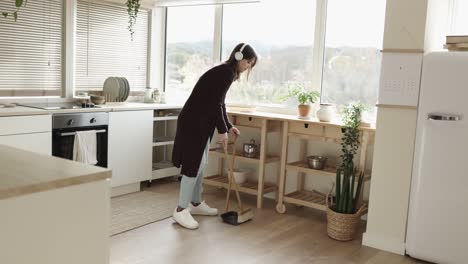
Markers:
(130, 148)
(31, 133)
(35, 142)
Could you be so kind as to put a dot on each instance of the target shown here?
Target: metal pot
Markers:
(316, 162)
(250, 149)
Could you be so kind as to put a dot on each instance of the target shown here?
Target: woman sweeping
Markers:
(202, 113)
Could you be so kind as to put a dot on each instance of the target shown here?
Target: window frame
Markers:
(318, 50)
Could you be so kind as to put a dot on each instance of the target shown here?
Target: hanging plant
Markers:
(14, 14)
(133, 6)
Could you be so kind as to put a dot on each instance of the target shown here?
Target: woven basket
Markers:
(343, 227)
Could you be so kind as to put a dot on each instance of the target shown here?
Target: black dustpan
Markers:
(235, 218)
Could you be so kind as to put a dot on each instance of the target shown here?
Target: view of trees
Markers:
(349, 73)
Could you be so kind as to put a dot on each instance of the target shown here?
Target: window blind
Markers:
(31, 49)
(104, 47)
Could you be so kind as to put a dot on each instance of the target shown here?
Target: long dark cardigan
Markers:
(202, 113)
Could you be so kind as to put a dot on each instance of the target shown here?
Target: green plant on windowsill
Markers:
(304, 97)
(18, 5)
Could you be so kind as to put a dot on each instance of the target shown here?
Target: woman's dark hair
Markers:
(248, 53)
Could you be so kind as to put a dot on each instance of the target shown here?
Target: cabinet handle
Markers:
(442, 117)
(306, 125)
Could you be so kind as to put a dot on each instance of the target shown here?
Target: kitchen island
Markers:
(53, 210)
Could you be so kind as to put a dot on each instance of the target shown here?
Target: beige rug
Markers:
(138, 209)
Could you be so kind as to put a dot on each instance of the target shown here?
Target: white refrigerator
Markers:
(438, 211)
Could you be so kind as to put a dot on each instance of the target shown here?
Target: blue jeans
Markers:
(191, 188)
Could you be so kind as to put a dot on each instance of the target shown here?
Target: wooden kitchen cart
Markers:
(308, 131)
(259, 187)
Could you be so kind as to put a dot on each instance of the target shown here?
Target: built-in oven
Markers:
(65, 126)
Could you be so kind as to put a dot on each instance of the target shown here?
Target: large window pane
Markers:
(31, 49)
(283, 35)
(354, 35)
(189, 48)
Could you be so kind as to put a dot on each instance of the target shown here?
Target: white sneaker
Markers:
(185, 219)
(202, 209)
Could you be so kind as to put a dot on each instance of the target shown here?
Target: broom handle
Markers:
(228, 194)
(231, 177)
(236, 186)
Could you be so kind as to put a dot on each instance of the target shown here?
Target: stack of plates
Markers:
(116, 89)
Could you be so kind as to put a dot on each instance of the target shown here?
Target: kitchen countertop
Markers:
(134, 106)
(24, 172)
(284, 117)
(22, 110)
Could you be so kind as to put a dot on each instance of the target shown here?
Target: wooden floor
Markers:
(299, 236)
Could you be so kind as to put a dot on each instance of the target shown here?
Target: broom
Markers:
(234, 217)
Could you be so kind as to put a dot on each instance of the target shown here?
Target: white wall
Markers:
(391, 178)
(438, 23)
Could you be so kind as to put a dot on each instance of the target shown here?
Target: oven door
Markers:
(63, 140)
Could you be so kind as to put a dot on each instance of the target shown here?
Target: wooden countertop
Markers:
(24, 172)
(284, 117)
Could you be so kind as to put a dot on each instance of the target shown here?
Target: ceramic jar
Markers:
(326, 112)
(148, 95)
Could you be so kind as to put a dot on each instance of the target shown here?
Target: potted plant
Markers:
(344, 212)
(133, 7)
(17, 6)
(304, 97)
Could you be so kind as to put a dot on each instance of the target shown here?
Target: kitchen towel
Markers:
(84, 147)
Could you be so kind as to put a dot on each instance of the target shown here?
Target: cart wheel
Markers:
(281, 208)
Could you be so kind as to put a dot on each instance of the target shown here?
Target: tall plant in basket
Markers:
(343, 214)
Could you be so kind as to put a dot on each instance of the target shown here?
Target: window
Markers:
(283, 35)
(31, 49)
(104, 47)
(354, 36)
(189, 48)
(329, 46)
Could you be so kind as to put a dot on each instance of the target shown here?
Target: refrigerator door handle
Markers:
(443, 117)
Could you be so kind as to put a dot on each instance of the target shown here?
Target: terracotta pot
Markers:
(304, 110)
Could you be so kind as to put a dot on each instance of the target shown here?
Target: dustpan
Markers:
(234, 217)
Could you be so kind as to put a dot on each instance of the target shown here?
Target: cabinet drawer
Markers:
(318, 130)
(35, 142)
(333, 132)
(247, 121)
(11, 125)
(306, 128)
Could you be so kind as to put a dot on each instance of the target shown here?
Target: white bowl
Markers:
(240, 176)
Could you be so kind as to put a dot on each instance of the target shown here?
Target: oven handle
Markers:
(74, 133)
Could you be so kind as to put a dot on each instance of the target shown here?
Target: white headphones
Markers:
(238, 55)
